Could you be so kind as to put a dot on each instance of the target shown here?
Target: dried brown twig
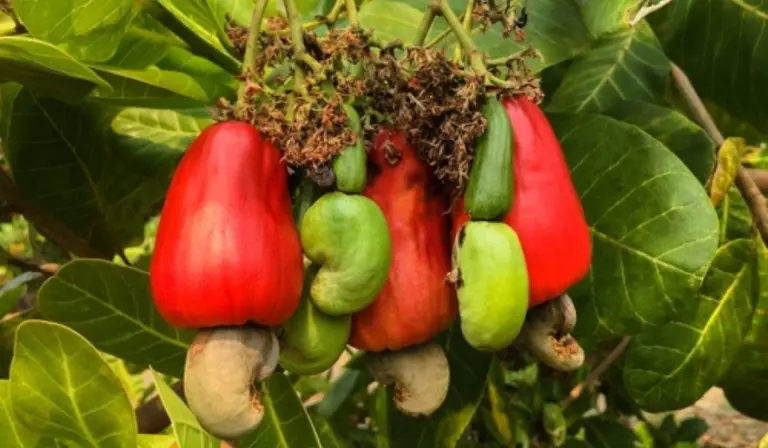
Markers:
(596, 373)
(746, 185)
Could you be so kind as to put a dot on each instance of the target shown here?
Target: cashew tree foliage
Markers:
(172, 277)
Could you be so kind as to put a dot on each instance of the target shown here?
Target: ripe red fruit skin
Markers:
(546, 213)
(227, 249)
(416, 302)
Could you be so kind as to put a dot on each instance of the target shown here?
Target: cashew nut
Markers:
(546, 334)
(222, 368)
(420, 374)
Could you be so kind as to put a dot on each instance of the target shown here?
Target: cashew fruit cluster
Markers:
(381, 260)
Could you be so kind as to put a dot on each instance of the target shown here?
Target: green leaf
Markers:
(156, 441)
(112, 306)
(672, 366)
(238, 10)
(683, 137)
(286, 423)
(629, 65)
(62, 388)
(390, 20)
(735, 217)
(607, 16)
(185, 426)
(90, 31)
(15, 435)
(497, 418)
(732, 36)
(654, 230)
(341, 389)
(193, 21)
(746, 382)
(12, 291)
(153, 140)
(152, 87)
(46, 68)
(139, 49)
(601, 432)
(329, 438)
(61, 160)
(469, 373)
(214, 80)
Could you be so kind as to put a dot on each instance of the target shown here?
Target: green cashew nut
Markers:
(349, 166)
(491, 181)
(491, 282)
(348, 237)
(312, 341)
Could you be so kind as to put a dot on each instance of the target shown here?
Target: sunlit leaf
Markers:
(728, 163)
(90, 31)
(15, 435)
(62, 388)
(46, 68)
(112, 306)
(185, 426)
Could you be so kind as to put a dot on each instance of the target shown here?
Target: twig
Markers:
(151, 416)
(61, 234)
(596, 373)
(760, 177)
(646, 10)
(747, 187)
(47, 269)
(251, 49)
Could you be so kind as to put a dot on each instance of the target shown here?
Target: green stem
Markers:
(467, 25)
(297, 39)
(251, 46)
(426, 23)
(464, 38)
(352, 12)
(505, 59)
(439, 38)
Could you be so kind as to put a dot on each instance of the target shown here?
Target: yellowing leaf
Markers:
(728, 163)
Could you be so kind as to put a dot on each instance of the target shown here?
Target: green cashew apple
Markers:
(347, 236)
(491, 283)
(312, 341)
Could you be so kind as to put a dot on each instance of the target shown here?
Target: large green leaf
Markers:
(628, 65)
(546, 18)
(61, 161)
(214, 80)
(746, 382)
(722, 46)
(152, 87)
(62, 388)
(286, 423)
(672, 366)
(193, 21)
(90, 31)
(112, 306)
(469, 373)
(153, 140)
(14, 434)
(654, 230)
(607, 16)
(46, 68)
(185, 426)
(686, 139)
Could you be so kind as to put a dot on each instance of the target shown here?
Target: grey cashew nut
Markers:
(222, 368)
(546, 334)
(420, 374)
